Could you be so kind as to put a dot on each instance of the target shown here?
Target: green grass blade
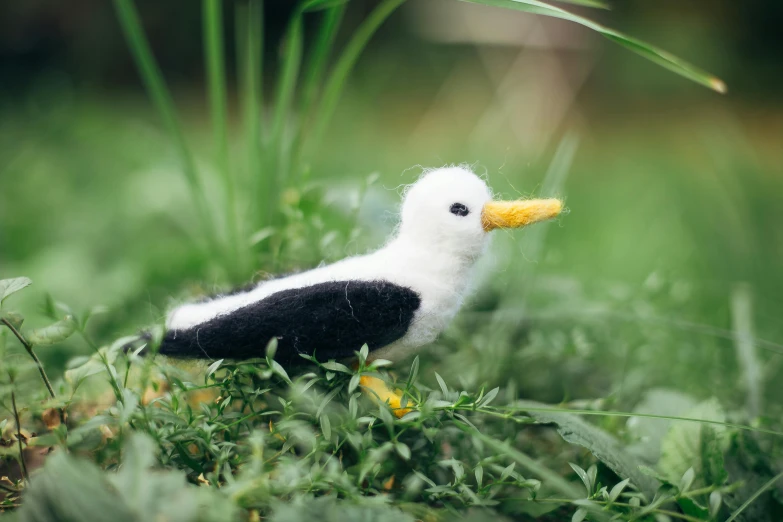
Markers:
(161, 98)
(316, 65)
(609, 413)
(214, 53)
(216, 78)
(756, 495)
(288, 77)
(250, 30)
(313, 77)
(587, 3)
(750, 366)
(277, 166)
(652, 53)
(336, 81)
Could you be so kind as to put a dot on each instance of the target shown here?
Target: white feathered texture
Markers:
(432, 252)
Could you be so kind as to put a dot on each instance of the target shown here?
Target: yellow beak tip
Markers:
(514, 214)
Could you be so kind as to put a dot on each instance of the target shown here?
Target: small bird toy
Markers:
(395, 299)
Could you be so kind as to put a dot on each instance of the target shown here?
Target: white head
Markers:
(451, 210)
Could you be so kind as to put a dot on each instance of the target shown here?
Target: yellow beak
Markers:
(514, 214)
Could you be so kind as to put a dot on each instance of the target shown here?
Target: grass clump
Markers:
(242, 440)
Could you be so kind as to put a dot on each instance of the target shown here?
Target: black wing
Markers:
(331, 320)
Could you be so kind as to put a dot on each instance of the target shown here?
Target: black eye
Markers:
(458, 209)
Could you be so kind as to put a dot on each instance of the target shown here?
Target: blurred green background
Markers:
(674, 191)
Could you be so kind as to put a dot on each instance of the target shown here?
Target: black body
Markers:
(330, 320)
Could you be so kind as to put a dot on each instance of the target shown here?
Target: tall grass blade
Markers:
(587, 3)
(646, 50)
(742, 324)
(753, 497)
(313, 77)
(289, 72)
(339, 74)
(316, 64)
(554, 409)
(250, 31)
(216, 78)
(161, 98)
(214, 53)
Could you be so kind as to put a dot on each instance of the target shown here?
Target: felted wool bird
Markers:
(395, 299)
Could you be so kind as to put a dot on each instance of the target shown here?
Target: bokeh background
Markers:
(674, 238)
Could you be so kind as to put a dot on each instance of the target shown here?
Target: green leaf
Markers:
(442, 384)
(52, 334)
(364, 352)
(354, 383)
(618, 488)
(489, 397)
(11, 286)
(326, 427)
(14, 319)
(336, 367)
(715, 503)
(271, 348)
(414, 372)
(81, 368)
(687, 480)
(682, 447)
(507, 471)
(129, 403)
(212, 369)
(403, 450)
(649, 432)
(579, 515)
(279, 370)
(691, 507)
(646, 50)
(602, 445)
(583, 477)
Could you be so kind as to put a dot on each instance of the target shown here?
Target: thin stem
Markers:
(156, 87)
(29, 347)
(19, 436)
(343, 67)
